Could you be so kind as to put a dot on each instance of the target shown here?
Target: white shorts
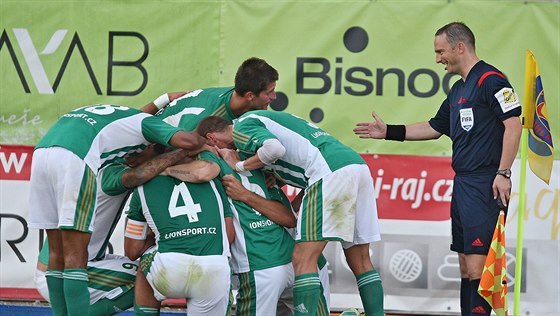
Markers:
(270, 291)
(203, 280)
(108, 278)
(62, 191)
(342, 207)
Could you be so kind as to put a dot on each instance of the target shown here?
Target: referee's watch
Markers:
(504, 173)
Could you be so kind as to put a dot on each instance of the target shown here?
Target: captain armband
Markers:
(396, 132)
(136, 229)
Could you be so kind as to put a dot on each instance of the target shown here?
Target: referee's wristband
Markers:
(161, 101)
(239, 166)
(396, 132)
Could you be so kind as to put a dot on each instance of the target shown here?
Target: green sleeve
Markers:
(157, 131)
(249, 134)
(135, 207)
(111, 179)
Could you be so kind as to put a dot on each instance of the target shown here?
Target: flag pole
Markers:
(526, 121)
(520, 223)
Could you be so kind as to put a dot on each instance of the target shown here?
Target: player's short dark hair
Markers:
(457, 32)
(212, 124)
(254, 75)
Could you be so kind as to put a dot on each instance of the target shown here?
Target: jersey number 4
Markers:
(189, 208)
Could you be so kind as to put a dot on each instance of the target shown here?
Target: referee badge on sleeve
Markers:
(467, 118)
(508, 99)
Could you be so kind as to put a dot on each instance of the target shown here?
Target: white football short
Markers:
(62, 191)
(340, 207)
(203, 280)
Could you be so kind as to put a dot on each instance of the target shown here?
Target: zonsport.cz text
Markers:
(190, 231)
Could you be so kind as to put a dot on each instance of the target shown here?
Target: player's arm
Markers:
(190, 141)
(195, 171)
(270, 151)
(146, 171)
(162, 101)
(379, 130)
(137, 239)
(274, 210)
(512, 134)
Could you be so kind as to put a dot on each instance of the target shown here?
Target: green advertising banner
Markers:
(338, 60)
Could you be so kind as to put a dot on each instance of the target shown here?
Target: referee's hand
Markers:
(502, 189)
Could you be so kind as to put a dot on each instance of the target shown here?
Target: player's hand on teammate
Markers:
(376, 129)
(230, 156)
(234, 188)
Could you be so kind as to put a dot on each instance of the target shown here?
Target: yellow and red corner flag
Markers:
(535, 119)
(493, 283)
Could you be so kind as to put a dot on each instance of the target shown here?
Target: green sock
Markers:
(307, 292)
(76, 291)
(371, 293)
(323, 308)
(55, 284)
(107, 306)
(145, 310)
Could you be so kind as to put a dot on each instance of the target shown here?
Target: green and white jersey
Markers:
(311, 153)
(185, 217)
(187, 111)
(259, 242)
(101, 133)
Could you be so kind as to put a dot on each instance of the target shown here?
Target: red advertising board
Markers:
(15, 162)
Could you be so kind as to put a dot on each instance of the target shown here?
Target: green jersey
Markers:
(311, 153)
(187, 111)
(101, 133)
(185, 217)
(259, 242)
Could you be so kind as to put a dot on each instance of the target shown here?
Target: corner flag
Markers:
(493, 283)
(535, 119)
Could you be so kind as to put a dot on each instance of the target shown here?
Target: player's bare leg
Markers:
(144, 301)
(369, 282)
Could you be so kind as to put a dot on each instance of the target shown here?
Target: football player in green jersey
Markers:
(255, 84)
(338, 202)
(262, 250)
(64, 187)
(192, 227)
(111, 277)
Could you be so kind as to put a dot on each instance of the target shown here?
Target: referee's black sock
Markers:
(465, 296)
(479, 306)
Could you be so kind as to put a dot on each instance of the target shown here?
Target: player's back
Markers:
(185, 217)
(101, 133)
(311, 153)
